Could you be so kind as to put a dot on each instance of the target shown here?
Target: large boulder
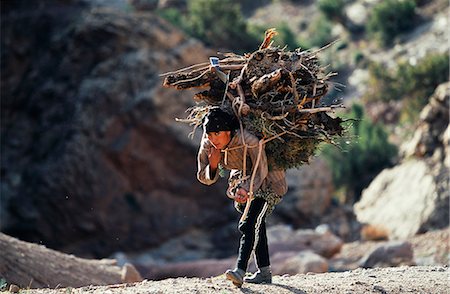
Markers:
(401, 198)
(302, 262)
(91, 162)
(282, 238)
(312, 187)
(413, 197)
(394, 253)
(309, 194)
(308, 202)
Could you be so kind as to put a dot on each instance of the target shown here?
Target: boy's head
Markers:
(218, 126)
(218, 120)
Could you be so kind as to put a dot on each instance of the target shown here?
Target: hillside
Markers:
(421, 279)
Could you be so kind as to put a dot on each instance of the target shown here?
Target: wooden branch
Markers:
(34, 266)
(321, 109)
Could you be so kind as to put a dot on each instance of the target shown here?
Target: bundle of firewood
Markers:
(275, 94)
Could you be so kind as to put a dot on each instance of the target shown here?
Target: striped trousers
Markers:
(254, 237)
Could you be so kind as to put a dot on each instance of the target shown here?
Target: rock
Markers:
(446, 142)
(374, 233)
(385, 112)
(282, 238)
(204, 268)
(130, 274)
(342, 222)
(412, 197)
(193, 245)
(88, 135)
(434, 120)
(357, 79)
(301, 263)
(420, 42)
(388, 254)
(178, 4)
(309, 194)
(308, 202)
(144, 5)
(356, 13)
(402, 199)
(14, 288)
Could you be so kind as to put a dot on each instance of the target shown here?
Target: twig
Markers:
(191, 80)
(321, 109)
(204, 65)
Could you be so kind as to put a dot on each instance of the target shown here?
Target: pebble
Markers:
(14, 288)
(379, 288)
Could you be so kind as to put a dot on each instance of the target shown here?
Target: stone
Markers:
(282, 238)
(301, 263)
(130, 274)
(401, 199)
(309, 194)
(430, 131)
(388, 254)
(374, 233)
(308, 202)
(108, 162)
(14, 288)
(356, 13)
(204, 268)
(412, 197)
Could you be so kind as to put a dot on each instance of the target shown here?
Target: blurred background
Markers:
(94, 164)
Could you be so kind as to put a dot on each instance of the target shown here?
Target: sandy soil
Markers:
(417, 279)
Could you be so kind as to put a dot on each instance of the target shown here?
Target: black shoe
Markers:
(236, 276)
(262, 276)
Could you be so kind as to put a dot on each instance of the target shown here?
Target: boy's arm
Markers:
(205, 174)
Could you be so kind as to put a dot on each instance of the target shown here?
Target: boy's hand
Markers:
(241, 195)
(214, 157)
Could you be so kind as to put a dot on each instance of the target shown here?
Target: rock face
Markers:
(310, 191)
(308, 202)
(90, 160)
(413, 196)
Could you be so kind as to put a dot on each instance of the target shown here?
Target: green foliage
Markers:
(320, 32)
(359, 58)
(288, 152)
(219, 23)
(362, 157)
(391, 18)
(411, 83)
(173, 16)
(332, 9)
(285, 36)
(292, 152)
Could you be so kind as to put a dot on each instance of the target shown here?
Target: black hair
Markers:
(219, 120)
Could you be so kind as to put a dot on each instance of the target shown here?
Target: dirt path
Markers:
(419, 279)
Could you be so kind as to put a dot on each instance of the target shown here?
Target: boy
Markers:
(222, 146)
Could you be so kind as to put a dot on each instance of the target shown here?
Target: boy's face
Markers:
(219, 139)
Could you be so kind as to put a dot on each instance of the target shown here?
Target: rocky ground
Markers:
(419, 279)
(431, 248)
